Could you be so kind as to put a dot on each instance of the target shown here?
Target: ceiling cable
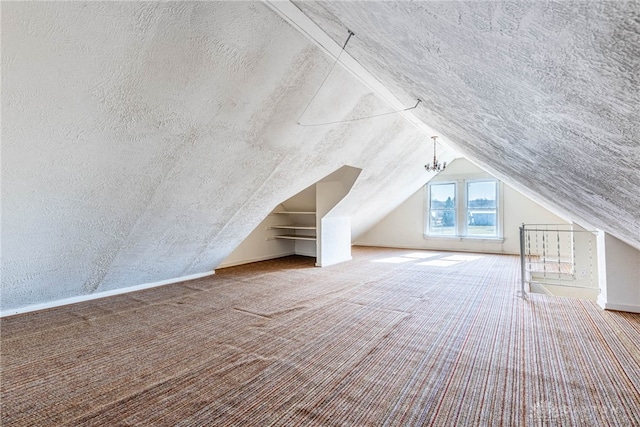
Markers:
(346, 120)
(363, 118)
(325, 79)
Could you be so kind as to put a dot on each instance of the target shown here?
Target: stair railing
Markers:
(556, 254)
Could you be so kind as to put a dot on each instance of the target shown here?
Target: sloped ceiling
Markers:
(545, 95)
(143, 141)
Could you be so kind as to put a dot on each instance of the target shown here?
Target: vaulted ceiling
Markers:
(545, 94)
(144, 141)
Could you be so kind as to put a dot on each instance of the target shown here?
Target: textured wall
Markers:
(545, 95)
(145, 141)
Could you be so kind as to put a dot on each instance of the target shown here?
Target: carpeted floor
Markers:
(392, 338)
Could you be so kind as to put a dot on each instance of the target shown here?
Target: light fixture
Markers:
(435, 167)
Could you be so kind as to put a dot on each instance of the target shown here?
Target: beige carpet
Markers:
(392, 338)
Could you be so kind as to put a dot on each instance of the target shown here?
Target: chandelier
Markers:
(436, 166)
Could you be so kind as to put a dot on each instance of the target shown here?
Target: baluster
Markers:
(590, 262)
(528, 240)
(572, 248)
(537, 251)
(559, 259)
(523, 269)
(545, 243)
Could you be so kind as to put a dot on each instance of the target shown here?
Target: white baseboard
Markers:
(257, 259)
(433, 249)
(89, 297)
(619, 307)
(311, 254)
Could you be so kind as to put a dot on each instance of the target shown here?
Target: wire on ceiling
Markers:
(346, 120)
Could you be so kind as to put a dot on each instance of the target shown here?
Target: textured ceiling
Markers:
(544, 95)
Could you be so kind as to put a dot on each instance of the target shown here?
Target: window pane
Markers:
(481, 208)
(443, 222)
(481, 194)
(482, 224)
(442, 209)
(443, 196)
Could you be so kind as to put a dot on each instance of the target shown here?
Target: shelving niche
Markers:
(301, 228)
(295, 220)
(296, 231)
(305, 224)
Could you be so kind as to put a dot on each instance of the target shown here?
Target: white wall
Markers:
(334, 231)
(619, 271)
(335, 235)
(405, 226)
(260, 245)
(143, 141)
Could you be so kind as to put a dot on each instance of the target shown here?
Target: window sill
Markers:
(464, 238)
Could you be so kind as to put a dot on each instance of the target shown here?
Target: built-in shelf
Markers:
(295, 212)
(295, 227)
(295, 237)
(300, 227)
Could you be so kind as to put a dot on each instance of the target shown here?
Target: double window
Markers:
(465, 208)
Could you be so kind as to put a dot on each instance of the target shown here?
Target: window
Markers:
(482, 213)
(442, 207)
(464, 208)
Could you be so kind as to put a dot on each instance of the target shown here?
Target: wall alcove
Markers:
(303, 225)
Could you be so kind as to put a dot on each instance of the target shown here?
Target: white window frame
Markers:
(461, 210)
(466, 209)
(456, 208)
